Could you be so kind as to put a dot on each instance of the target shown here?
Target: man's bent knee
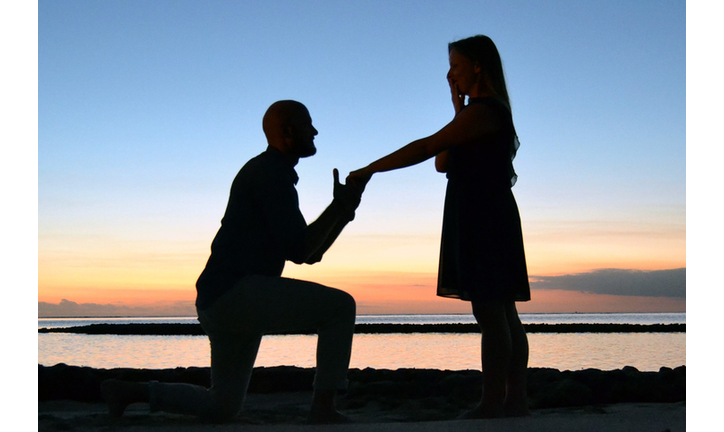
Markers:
(346, 305)
(343, 308)
(349, 304)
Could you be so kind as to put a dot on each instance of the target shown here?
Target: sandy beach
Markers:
(382, 400)
(286, 413)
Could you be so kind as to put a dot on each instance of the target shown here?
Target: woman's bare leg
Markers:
(496, 350)
(516, 397)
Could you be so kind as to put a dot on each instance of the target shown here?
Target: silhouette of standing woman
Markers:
(481, 258)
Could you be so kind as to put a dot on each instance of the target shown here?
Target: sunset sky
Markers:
(147, 110)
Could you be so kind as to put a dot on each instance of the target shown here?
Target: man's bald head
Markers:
(288, 128)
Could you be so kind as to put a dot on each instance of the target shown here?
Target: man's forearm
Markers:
(321, 233)
(331, 238)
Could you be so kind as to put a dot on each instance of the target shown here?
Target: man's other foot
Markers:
(327, 417)
(481, 413)
(119, 394)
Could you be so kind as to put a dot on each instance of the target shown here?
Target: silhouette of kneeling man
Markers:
(241, 294)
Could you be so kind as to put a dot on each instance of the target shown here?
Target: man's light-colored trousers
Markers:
(235, 323)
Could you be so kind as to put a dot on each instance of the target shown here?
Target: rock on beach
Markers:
(442, 390)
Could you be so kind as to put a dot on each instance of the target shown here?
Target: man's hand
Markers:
(358, 179)
(345, 194)
(324, 231)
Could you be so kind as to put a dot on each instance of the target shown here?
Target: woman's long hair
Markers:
(481, 50)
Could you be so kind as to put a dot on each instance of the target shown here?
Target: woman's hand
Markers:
(358, 179)
(441, 161)
(458, 99)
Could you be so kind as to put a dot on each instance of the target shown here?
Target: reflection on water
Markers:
(574, 351)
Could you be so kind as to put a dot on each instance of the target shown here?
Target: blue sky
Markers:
(146, 111)
(135, 94)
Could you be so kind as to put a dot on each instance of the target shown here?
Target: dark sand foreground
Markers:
(383, 400)
(285, 412)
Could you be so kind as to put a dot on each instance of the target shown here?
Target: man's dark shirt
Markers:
(261, 229)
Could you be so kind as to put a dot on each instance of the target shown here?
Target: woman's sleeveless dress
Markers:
(481, 253)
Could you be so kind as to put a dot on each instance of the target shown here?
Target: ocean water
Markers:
(569, 351)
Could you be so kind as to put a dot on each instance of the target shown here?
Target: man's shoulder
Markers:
(259, 164)
(263, 169)
(266, 160)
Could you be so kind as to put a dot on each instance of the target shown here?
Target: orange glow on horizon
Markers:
(380, 269)
(385, 274)
(380, 292)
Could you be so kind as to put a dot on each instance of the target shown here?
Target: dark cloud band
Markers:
(657, 283)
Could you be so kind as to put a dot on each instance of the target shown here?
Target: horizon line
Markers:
(367, 314)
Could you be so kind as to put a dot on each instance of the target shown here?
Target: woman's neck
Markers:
(478, 90)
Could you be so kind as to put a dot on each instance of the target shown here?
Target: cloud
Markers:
(657, 283)
(67, 308)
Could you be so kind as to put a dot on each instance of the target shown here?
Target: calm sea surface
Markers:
(568, 351)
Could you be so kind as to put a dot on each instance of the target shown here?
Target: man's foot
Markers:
(327, 417)
(517, 411)
(323, 409)
(119, 394)
(479, 412)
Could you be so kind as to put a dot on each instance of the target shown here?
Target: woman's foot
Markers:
(516, 402)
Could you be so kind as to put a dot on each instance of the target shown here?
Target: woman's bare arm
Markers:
(471, 125)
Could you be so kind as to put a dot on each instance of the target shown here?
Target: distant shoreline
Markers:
(157, 329)
(522, 314)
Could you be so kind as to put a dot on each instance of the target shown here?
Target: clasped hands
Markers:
(349, 195)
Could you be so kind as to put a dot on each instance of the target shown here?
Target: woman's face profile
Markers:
(463, 73)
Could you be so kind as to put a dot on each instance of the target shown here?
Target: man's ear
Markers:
(288, 132)
(288, 136)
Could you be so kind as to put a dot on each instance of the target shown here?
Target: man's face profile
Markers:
(302, 134)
